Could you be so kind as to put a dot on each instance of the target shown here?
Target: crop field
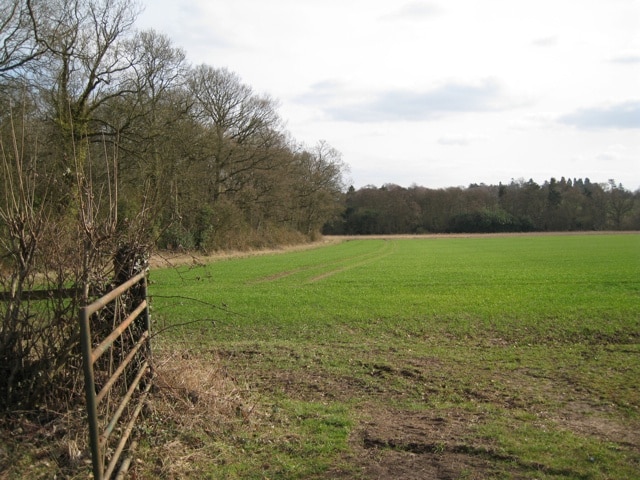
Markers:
(480, 357)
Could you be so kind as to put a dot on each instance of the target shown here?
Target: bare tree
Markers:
(83, 67)
(59, 228)
(620, 204)
(319, 186)
(242, 128)
(18, 36)
(47, 269)
(148, 121)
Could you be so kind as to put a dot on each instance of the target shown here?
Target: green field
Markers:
(480, 357)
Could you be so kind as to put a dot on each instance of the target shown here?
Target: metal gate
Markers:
(131, 371)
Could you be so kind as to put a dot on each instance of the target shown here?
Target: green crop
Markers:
(550, 288)
(514, 356)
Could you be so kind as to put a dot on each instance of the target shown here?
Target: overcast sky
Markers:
(441, 93)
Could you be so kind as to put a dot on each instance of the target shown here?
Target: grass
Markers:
(532, 341)
(518, 288)
(480, 357)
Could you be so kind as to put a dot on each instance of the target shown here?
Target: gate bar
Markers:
(123, 403)
(122, 366)
(104, 301)
(90, 393)
(106, 343)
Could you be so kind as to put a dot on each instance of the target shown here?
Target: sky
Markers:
(436, 93)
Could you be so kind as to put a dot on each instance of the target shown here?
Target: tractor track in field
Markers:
(341, 265)
(388, 249)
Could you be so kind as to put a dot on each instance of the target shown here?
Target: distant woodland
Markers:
(520, 206)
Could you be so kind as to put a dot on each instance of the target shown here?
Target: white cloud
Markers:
(556, 81)
(626, 59)
(621, 115)
(461, 139)
(321, 92)
(406, 105)
(613, 153)
(535, 120)
(187, 22)
(551, 41)
(414, 11)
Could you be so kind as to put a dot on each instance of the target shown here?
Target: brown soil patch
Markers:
(586, 419)
(394, 444)
(399, 444)
(418, 445)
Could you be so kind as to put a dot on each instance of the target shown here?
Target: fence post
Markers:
(90, 393)
(146, 314)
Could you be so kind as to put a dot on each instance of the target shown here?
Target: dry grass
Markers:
(44, 445)
(187, 381)
(194, 401)
(168, 259)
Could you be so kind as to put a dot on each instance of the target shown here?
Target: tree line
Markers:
(520, 206)
(112, 144)
(206, 157)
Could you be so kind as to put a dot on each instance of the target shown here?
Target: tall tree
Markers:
(242, 128)
(18, 36)
(620, 204)
(149, 120)
(318, 187)
(84, 66)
